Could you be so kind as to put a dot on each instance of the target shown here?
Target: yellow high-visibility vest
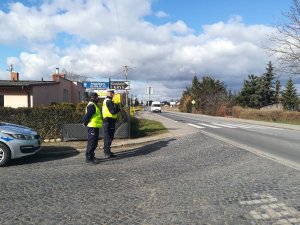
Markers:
(105, 112)
(96, 119)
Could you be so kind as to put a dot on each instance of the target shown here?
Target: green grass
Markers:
(143, 127)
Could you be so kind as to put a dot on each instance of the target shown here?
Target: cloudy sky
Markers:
(163, 42)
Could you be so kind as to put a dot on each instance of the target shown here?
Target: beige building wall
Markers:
(36, 95)
(64, 91)
(45, 95)
(77, 92)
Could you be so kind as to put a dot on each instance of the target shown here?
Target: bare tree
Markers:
(287, 40)
(74, 77)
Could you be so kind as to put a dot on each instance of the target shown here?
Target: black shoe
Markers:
(106, 156)
(92, 161)
(112, 155)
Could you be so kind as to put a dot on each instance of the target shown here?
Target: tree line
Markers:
(211, 96)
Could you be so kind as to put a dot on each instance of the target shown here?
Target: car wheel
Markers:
(4, 154)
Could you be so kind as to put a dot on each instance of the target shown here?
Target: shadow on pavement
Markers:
(47, 153)
(144, 150)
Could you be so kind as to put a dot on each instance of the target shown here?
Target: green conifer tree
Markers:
(266, 89)
(290, 99)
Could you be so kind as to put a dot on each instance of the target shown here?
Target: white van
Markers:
(156, 107)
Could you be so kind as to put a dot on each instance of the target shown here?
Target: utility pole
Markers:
(149, 91)
(125, 68)
(126, 75)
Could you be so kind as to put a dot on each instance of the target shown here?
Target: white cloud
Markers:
(100, 36)
(161, 14)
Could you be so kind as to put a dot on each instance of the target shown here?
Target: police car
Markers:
(17, 141)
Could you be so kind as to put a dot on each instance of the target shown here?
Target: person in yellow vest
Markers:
(109, 112)
(93, 121)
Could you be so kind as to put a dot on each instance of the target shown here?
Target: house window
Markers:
(79, 96)
(66, 95)
(1, 100)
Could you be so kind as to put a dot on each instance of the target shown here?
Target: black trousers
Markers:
(93, 137)
(109, 126)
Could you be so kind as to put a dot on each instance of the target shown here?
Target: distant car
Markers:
(17, 141)
(156, 107)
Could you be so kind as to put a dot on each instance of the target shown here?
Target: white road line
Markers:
(242, 126)
(265, 127)
(258, 127)
(245, 126)
(253, 126)
(234, 124)
(208, 125)
(193, 125)
(224, 125)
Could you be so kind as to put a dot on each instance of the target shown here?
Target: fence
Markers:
(77, 131)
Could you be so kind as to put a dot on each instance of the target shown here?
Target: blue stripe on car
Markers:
(7, 138)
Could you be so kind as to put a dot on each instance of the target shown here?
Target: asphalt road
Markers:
(193, 179)
(272, 140)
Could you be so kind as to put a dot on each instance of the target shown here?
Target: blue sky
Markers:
(164, 42)
(198, 12)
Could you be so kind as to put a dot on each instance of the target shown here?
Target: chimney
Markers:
(57, 76)
(14, 76)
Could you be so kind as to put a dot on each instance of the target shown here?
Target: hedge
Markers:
(47, 121)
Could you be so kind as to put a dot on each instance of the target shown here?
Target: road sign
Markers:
(120, 85)
(149, 90)
(193, 102)
(96, 85)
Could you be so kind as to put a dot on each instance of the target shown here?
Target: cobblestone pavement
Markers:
(154, 184)
(184, 180)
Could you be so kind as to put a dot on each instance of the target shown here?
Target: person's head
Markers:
(94, 97)
(110, 92)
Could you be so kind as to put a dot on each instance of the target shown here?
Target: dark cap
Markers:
(93, 95)
(111, 91)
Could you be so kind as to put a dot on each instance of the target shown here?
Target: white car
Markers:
(17, 141)
(156, 107)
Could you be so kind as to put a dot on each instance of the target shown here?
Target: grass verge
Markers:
(277, 116)
(143, 127)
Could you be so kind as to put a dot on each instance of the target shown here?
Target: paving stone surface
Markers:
(193, 179)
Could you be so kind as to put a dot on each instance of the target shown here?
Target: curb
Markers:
(117, 143)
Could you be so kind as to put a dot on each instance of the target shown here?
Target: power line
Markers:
(117, 18)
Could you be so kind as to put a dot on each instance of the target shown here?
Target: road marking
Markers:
(265, 127)
(245, 126)
(208, 125)
(249, 126)
(224, 125)
(231, 126)
(193, 125)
